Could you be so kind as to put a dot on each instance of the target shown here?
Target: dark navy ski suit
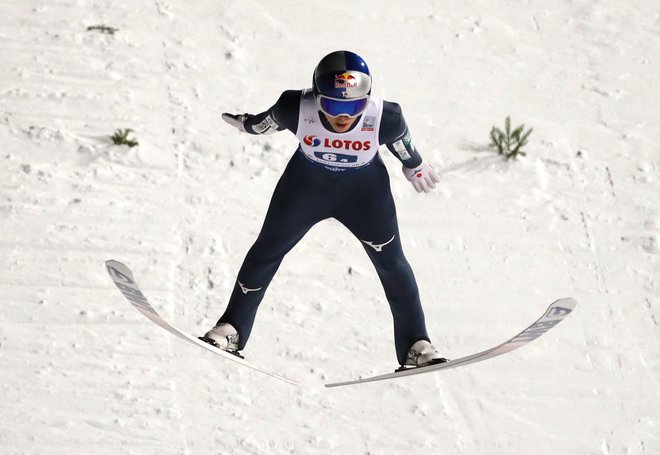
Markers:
(359, 198)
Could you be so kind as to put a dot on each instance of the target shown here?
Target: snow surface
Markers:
(83, 372)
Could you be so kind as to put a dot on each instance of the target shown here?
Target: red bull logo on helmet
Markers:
(345, 80)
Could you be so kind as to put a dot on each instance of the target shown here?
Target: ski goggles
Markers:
(335, 107)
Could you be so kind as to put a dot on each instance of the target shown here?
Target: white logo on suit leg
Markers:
(246, 290)
(378, 247)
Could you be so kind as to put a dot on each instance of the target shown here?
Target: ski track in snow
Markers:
(82, 372)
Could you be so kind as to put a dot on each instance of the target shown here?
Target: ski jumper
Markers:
(340, 176)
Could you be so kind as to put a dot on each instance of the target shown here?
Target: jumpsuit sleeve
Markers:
(283, 115)
(395, 135)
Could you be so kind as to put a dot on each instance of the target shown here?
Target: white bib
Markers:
(338, 151)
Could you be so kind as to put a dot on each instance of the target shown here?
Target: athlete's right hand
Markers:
(235, 120)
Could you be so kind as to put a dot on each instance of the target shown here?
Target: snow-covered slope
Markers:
(83, 372)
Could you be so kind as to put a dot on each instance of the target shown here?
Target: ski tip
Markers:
(116, 265)
(561, 308)
(118, 270)
(566, 302)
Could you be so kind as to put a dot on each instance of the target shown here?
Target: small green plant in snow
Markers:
(509, 142)
(121, 138)
(103, 29)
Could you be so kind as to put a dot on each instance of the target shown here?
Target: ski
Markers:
(124, 280)
(555, 313)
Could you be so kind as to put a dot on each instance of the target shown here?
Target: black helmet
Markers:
(342, 84)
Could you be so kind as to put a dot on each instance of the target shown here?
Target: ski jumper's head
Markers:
(342, 85)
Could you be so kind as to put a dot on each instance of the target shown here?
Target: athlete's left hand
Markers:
(423, 177)
(235, 120)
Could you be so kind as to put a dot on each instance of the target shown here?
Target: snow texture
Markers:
(579, 216)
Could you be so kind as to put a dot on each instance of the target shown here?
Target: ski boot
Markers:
(223, 336)
(421, 354)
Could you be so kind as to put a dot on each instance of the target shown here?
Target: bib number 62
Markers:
(336, 157)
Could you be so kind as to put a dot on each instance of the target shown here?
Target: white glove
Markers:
(423, 177)
(237, 121)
